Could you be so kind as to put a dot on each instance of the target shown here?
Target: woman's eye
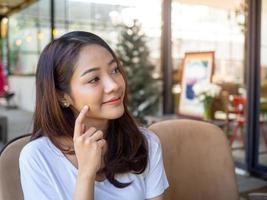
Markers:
(116, 70)
(94, 80)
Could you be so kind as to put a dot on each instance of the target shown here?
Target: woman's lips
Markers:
(113, 102)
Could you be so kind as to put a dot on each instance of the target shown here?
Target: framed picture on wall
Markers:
(197, 68)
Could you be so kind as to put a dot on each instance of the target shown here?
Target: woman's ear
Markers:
(65, 104)
(67, 100)
(64, 99)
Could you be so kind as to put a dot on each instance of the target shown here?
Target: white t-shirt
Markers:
(46, 173)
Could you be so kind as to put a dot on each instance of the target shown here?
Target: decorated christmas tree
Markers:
(144, 91)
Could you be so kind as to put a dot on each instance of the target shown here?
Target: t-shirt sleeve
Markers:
(34, 180)
(155, 178)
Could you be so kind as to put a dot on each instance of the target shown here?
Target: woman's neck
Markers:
(102, 125)
(99, 124)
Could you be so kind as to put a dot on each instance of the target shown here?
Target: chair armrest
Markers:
(257, 196)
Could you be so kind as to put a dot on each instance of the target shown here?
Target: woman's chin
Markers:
(114, 114)
(108, 114)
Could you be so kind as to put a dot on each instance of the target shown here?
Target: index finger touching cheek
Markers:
(78, 129)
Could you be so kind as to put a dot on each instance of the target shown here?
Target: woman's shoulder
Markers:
(151, 137)
(34, 148)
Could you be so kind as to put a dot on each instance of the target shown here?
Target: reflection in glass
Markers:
(220, 27)
(29, 32)
(29, 29)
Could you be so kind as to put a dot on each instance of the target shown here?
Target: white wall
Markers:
(24, 88)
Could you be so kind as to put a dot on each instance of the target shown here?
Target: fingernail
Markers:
(85, 108)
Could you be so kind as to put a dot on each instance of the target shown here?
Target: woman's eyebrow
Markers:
(111, 62)
(97, 68)
(90, 70)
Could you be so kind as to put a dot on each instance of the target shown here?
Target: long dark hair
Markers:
(127, 146)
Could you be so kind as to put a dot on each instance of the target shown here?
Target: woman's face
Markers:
(98, 83)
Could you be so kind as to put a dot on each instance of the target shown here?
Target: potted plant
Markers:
(206, 92)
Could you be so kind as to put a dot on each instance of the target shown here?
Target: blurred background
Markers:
(168, 49)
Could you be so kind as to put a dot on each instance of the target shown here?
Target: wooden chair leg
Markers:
(235, 135)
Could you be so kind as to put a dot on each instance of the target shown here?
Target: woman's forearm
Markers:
(84, 189)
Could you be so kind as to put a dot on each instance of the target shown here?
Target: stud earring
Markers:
(66, 104)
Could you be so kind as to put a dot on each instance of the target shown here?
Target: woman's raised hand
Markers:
(88, 145)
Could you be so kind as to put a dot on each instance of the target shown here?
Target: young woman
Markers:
(85, 144)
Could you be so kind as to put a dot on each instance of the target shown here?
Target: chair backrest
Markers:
(10, 188)
(197, 161)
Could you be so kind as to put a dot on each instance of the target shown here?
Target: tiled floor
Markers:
(248, 184)
(20, 122)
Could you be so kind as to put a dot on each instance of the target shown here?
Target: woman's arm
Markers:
(84, 189)
(88, 146)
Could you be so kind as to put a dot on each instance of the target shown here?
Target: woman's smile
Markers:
(113, 101)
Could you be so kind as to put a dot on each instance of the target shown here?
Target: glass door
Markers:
(262, 133)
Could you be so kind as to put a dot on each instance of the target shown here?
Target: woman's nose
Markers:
(110, 85)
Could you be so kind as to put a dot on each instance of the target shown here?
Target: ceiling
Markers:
(8, 7)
